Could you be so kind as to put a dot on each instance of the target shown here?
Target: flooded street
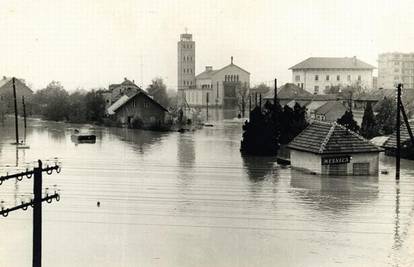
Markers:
(191, 199)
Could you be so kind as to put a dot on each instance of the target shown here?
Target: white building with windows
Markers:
(394, 68)
(219, 86)
(316, 74)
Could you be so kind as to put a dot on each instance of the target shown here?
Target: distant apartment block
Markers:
(316, 74)
(394, 68)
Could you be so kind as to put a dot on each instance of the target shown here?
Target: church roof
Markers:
(210, 73)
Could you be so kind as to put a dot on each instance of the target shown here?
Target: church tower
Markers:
(186, 66)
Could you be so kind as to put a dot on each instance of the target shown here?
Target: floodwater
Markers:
(171, 199)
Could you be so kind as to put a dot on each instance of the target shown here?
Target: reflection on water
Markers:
(334, 194)
(258, 168)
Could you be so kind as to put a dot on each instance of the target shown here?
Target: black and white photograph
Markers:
(192, 133)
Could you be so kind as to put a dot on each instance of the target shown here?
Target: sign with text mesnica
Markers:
(335, 160)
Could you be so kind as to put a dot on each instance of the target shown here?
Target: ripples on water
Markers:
(171, 199)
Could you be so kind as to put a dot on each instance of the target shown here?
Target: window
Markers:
(297, 78)
(338, 77)
(327, 77)
(396, 63)
(396, 78)
(349, 78)
(396, 70)
(316, 78)
(316, 90)
(359, 78)
(327, 87)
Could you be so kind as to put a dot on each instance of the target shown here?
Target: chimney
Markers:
(354, 60)
(209, 68)
(4, 77)
(231, 60)
(125, 78)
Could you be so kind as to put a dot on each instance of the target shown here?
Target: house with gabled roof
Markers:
(332, 149)
(139, 111)
(331, 111)
(406, 144)
(117, 90)
(6, 93)
(317, 74)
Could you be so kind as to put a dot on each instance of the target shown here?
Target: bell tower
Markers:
(186, 66)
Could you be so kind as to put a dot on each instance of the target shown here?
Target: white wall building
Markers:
(394, 68)
(316, 74)
(220, 85)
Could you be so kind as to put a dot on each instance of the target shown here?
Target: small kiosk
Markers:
(332, 149)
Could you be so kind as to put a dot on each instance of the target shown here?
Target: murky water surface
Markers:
(171, 199)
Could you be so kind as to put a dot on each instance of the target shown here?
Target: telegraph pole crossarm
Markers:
(48, 198)
(28, 174)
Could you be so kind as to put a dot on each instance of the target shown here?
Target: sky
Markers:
(91, 44)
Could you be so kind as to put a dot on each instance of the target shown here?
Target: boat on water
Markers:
(82, 138)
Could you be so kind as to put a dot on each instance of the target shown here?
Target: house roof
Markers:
(331, 138)
(122, 100)
(332, 63)
(210, 73)
(329, 106)
(404, 136)
(289, 91)
(6, 80)
(139, 94)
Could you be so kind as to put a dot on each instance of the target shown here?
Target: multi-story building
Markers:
(394, 68)
(317, 74)
(186, 66)
(217, 87)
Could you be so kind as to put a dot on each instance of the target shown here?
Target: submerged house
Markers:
(139, 111)
(332, 149)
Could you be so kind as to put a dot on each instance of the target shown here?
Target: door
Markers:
(361, 168)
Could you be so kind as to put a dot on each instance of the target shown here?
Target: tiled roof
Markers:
(329, 106)
(289, 91)
(404, 136)
(331, 138)
(145, 95)
(332, 63)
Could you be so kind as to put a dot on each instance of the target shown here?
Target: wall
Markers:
(305, 161)
(143, 109)
(308, 78)
(219, 77)
(312, 162)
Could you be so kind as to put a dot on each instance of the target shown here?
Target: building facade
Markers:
(186, 66)
(220, 87)
(316, 74)
(394, 68)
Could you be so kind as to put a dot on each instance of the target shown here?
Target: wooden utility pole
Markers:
(16, 122)
(250, 104)
(398, 123)
(207, 105)
(37, 216)
(275, 97)
(24, 112)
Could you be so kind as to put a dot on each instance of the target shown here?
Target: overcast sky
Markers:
(91, 44)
